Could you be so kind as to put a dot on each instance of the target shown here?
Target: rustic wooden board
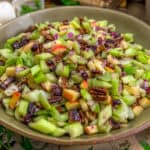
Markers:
(130, 143)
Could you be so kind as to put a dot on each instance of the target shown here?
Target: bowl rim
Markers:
(78, 141)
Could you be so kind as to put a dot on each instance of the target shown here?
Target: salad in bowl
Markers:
(74, 77)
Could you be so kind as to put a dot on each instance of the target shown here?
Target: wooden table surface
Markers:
(129, 143)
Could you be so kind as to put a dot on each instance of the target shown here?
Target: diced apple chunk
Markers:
(11, 71)
(137, 110)
(70, 95)
(92, 129)
(144, 102)
(47, 86)
(72, 105)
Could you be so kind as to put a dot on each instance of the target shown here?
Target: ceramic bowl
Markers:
(124, 23)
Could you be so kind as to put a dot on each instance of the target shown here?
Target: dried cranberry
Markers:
(57, 90)
(74, 116)
(100, 41)
(16, 45)
(116, 102)
(147, 90)
(35, 47)
(115, 125)
(2, 63)
(51, 65)
(109, 43)
(27, 118)
(115, 34)
(93, 47)
(84, 74)
(8, 81)
(32, 108)
(24, 41)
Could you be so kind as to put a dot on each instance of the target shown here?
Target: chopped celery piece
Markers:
(14, 39)
(6, 53)
(23, 107)
(117, 52)
(35, 70)
(98, 83)
(104, 115)
(75, 23)
(2, 70)
(76, 78)
(74, 129)
(86, 25)
(128, 37)
(62, 70)
(51, 77)
(44, 102)
(115, 85)
(105, 77)
(131, 114)
(23, 73)
(143, 58)
(59, 132)
(57, 116)
(40, 77)
(129, 69)
(43, 126)
(147, 75)
(128, 79)
(88, 54)
(85, 94)
(121, 113)
(131, 52)
(44, 66)
(95, 108)
(35, 35)
(33, 96)
(105, 128)
(76, 47)
(103, 23)
(11, 61)
(43, 56)
(42, 25)
(129, 100)
(17, 115)
(139, 73)
(19, 61)
(27, 58)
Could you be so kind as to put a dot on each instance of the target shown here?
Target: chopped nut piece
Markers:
(99, 94)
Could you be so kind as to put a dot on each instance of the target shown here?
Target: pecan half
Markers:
(100, 49)
(99, 94)
(84, 118)
(55, 99)
(47, 36)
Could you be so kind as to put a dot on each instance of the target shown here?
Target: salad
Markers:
(74, 77)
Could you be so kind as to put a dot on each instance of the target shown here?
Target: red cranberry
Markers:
(16, 45)
(35, 47)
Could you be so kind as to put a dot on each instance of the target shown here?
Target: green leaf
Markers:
(38, 4)
(145, 145)
(91, 148)
(26, 144)
(69, 2)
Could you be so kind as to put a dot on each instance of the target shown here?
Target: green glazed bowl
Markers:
(124, 23)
